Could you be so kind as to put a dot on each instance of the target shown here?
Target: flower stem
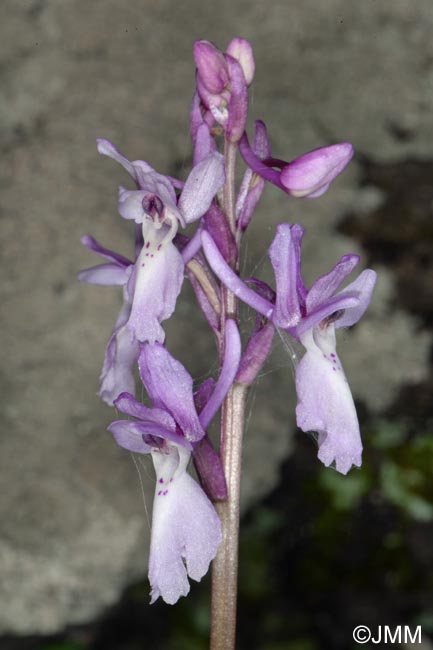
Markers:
(225, 565)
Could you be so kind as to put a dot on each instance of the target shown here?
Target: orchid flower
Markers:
(158, 272)
(122, 348)
(325, 403)
(186, 531)
(306, 177)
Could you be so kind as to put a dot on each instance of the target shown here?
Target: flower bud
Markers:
(211, 66)
(241, 50)
(310, 175)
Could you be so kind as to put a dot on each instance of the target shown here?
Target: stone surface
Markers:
(73, 522)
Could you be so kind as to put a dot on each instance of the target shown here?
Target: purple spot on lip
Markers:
(165, 492)
(159, 493)
(334, 368)
(333, 355)
(159, 247)
(147, 244)
(161, 480)
(142, 266)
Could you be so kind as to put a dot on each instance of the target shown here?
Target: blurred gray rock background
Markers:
(74, 523)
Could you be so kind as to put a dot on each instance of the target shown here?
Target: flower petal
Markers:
(93, 245)
(325, 286)
(202, 184)
(105, 274)
(126, 403)
(169, 386)
(325, 403)
(156, 280)
(232, 281)
(137, 436)
(286, 262)
(363, 286)
(310, 175)
(120, 357)
(186, 531)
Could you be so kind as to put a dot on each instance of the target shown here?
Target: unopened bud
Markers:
(241, 50)
(310, 175)
(211, 66)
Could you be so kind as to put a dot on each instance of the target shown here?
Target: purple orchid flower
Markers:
(186, 530)
(325, 403)
(122, 348)
(306, 177)
(158, 272)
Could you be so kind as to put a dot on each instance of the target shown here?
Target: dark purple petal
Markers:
(105, 274)
(286, 264)
(93, 245)
(210, 470)
(255, 355)
(310, 175)
(238, 103)
(202, 184)
(257, 165)
(232, 355)
(327, 285)
(218, 228)
(169, 386)
(229, 278)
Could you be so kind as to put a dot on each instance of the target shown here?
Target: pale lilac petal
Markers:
(241, 50)
(129, 436)
(325, 286)
(363, 286)
(106, 148)
(204, 144)
(105, 274)
(130, 204)
(126, 403)
(202, 184)
(325, 403)
(157, 281)
(232, 281)
(186, 531)
(232, 356)
(93, 245)
(286, 263)
(120, 357)
(311, 174)
(169, 386)
(329, 310)
(138, 436)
